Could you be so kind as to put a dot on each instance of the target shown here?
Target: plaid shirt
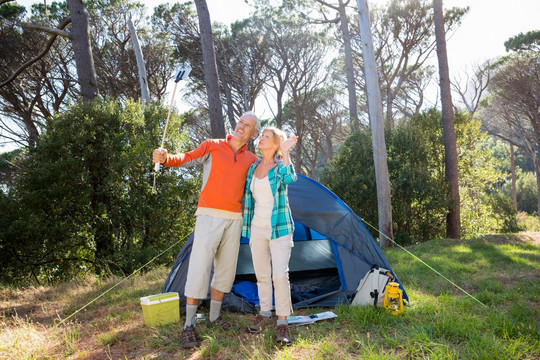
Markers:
(281, 220)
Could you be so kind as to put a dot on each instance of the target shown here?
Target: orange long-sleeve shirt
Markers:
(224, 172)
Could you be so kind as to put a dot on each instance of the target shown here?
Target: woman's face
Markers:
(268, 141)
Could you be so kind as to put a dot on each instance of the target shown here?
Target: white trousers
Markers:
(271, 264)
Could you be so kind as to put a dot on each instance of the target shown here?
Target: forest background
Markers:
(76, 194)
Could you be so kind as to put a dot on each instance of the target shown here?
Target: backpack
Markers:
(372, 287)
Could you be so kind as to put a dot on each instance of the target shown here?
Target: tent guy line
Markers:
(120, 282)
(426, 264)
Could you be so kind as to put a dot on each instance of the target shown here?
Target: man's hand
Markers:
(159, 156)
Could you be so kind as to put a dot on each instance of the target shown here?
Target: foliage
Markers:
(83, 201)
(10, 11)
(527, 41)
(478, 175)
(326, 130)
(26, 103)
(526, 191)
(8, 169)
(404, 38)
(528, 222)
(115, 62)
(416, 170)
(501, 151)
(417, 200)
(504, 215)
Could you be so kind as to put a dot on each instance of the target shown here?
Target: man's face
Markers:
(245, 129)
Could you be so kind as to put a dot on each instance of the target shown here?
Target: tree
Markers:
(304, 61)
(241, 63)
(276, 35)
(295, 70)
(404, 39)
(343, 20)
(373, 92)
(140, 62)
(404, 42)
(42, 82)
(474, 87)
(511, 113)
(453, 222)
(210, 70)
(326, 128)
(115, 61)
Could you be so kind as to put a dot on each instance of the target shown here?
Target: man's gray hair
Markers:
(254, 116)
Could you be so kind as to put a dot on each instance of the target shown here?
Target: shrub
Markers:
(528, 222)
(83, 201)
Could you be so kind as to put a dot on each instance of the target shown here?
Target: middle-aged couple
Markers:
(232, 173)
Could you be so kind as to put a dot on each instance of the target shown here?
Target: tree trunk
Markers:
(373, 92)
(279, 103)
(82, 49)
(230, 106)
(210, 70)
(390, 124)
(513, 169)
(349, 67)
(453, 222)
(33, 133)
(140, 62)
(299, 127)
(537, 173)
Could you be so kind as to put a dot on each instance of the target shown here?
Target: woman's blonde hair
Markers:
(277, 135)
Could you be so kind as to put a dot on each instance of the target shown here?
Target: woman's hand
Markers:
(288, 144)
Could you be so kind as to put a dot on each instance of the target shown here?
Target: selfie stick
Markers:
(181, 74)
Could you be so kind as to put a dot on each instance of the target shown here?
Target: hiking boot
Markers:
(283, 336)
(189, 337)
(260, 323)
(221, 323)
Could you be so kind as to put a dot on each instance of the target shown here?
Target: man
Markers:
(219, 218)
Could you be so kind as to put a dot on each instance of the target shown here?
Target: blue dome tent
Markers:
(332, 252)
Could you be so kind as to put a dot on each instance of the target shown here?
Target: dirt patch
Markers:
(524, 237)
(531, 237)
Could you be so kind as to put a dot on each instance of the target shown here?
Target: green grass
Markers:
(442, 322)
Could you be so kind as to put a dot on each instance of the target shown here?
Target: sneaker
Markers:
(189, 337)
(283, 336)
(260, 323)
(221, 323)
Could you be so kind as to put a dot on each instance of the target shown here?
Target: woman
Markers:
(269, 225)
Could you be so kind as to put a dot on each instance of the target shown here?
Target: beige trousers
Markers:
(215, 240)
(271, 264)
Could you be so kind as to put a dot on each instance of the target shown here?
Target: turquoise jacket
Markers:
(279, 177)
